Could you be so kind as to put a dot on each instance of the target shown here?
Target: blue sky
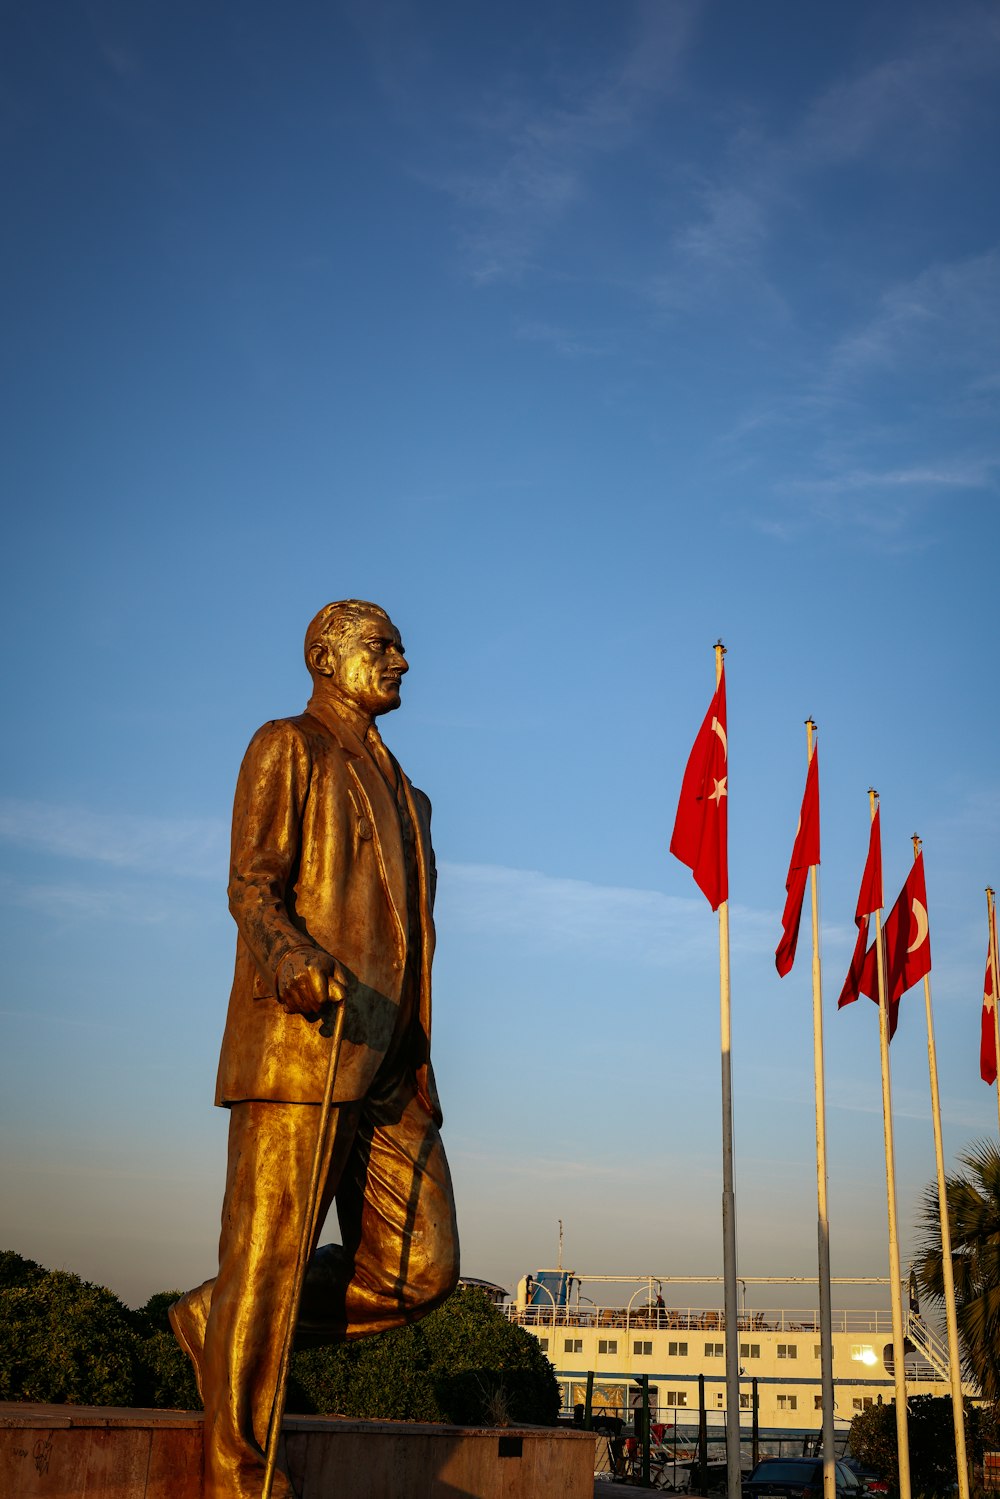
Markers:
(578, 335)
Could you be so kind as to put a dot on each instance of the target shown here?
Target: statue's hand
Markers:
(309, 982)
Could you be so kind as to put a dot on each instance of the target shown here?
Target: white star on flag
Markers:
(719, 790)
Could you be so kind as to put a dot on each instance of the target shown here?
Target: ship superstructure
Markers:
(620, 1328)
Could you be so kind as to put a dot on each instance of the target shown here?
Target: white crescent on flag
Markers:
(918, 920)
(718, 729)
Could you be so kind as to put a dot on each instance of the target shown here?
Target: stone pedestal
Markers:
(90, 1452)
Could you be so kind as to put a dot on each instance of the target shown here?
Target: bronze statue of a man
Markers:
(331, 887)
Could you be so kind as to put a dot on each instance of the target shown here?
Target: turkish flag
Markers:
(699, 839)
(805, 852)
(869, 900)
(988, 1036)
(907, 945)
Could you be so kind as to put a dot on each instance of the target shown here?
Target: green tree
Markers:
(465, 1364)
(63, 1339)
(16, 1271)
(974, 1225)
(932, 1441)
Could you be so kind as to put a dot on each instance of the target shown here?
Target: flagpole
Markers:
(895, 1281)
(823, 1222)
(991, 916)
(948, 1273)
(734, 1480)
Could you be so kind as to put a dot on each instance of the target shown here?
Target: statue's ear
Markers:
(320, 659)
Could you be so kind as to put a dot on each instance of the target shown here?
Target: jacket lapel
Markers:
(377, 803)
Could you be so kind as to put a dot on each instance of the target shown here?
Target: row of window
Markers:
(678, 1399)
(643, 1348)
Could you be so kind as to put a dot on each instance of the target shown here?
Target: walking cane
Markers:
(308, 1230)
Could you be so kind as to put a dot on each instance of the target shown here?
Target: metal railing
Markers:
(930, 1348)
(695, 1319)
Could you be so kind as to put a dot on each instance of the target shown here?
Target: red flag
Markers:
(869, 900)
(805, 851)
(988, 1037)
(699, 837)
(907, 945)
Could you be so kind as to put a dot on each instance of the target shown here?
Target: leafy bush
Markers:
(465, 1364)
(17, 1272)
(932, 1441)
(63, 1339)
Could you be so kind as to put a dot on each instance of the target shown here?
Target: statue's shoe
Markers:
(187, 1320)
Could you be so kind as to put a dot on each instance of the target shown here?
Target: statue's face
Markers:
(368, 664)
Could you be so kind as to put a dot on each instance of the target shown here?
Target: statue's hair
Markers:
(333, 621)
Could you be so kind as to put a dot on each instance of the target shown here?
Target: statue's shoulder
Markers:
(282, 740)
(303, 735)
(283, 730)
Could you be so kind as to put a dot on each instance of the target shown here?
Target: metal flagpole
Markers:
(991, 916)
(823, 1222)
(734, 1482)
(954, 1363)
(895, 1282)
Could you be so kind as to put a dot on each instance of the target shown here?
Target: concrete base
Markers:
(89, 1452)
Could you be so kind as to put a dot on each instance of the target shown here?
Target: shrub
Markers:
(63, 1339)
(465, 1363)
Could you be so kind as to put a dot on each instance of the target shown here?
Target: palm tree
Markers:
(974, 1224)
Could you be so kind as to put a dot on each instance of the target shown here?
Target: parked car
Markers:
(870, 1481)
(797, 1478)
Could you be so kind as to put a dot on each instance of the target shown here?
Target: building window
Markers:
(749, 1350)
(607, 1345)
(642, 1348)
(677, 1397)
(864, 1353)
(745, 1402)
(862, 1404)
(677, 1350)
(573, 1345)
(788, 1402)
(788, 1350)
(817, 1402)
(720, 1401)
(543, 1344)
(715, 1350)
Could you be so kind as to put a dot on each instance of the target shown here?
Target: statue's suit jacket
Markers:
(318, 863)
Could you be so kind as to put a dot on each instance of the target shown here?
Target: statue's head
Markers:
(355, 647)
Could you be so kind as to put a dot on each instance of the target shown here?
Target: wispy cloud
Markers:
(897, 113)
(561, 340)
(969, 475)
(950, 311)
(880, 505)
(61, 901)
(853, 1097)
(187, 846)
(638, 925)
(531, 161)
(908, 102)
